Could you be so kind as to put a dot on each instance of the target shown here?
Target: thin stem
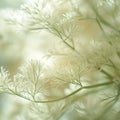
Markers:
(62, 98)
(102, 20)
(71, 94)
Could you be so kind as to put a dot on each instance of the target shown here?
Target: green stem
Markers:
(102, 20)
(61, 98)
(71, 94)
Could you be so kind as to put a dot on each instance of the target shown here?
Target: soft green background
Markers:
(10, 3)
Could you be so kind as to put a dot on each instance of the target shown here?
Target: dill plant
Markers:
(83, 80)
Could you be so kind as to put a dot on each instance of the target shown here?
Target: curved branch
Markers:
(67, 96)
(79, 89)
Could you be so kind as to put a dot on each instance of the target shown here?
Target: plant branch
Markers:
(67, 96)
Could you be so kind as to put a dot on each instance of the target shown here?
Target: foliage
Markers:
(81, 70)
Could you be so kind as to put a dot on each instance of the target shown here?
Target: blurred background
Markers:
(10, 3)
